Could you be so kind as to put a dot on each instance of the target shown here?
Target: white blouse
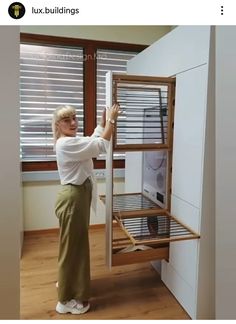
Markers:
(74, 156)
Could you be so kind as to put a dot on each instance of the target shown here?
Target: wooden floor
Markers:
(126, 292)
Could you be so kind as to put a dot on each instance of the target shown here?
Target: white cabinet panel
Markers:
(109, 178)
(225, 172)
(180, 50)
(183, 292)
(133, 171)
(184, 259)
(189, 134)
(184, 255)
(186, 213)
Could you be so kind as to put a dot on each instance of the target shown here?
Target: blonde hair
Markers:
(60, 113)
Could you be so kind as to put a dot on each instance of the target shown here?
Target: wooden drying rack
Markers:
(146, 226)
(138, 229)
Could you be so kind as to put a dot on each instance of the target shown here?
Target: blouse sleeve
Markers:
(97, 132)
(80, 148)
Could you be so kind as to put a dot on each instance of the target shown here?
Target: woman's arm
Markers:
(112, 115)
(107, 114)
(80, 149)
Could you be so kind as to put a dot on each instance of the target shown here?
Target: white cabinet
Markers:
(184, 54)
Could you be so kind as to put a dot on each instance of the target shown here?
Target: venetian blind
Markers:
(109, 60)
(50, 76)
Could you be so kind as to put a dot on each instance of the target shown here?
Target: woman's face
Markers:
(68, 126)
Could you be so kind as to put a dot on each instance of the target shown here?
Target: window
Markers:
(56, 71)
(49, 77)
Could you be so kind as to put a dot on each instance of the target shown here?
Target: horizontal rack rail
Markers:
(132, 204)
(158, 229)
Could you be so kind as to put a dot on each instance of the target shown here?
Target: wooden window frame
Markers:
(90, 48)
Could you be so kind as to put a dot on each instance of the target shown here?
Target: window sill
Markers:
(40, 176)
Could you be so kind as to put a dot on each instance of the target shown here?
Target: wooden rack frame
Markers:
(147, 229)
(155, 229)
(134, 87)
(138, 229)
(132, 205)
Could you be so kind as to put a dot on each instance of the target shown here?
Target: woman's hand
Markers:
(113, 112)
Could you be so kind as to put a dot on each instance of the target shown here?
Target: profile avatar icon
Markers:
(16, 10)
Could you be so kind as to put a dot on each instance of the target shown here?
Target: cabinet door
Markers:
(109, 180)
(189, 135)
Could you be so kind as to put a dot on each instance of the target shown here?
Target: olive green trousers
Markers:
(73, 211)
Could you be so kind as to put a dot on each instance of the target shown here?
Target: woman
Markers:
(75, 166)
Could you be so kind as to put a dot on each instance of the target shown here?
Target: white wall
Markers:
(126, 34)
(40, 197)
(10, 197)
(225, 172)
(206, 279)
(184, 53)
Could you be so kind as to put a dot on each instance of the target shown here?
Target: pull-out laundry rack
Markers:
(147, 228)
(139, 225)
